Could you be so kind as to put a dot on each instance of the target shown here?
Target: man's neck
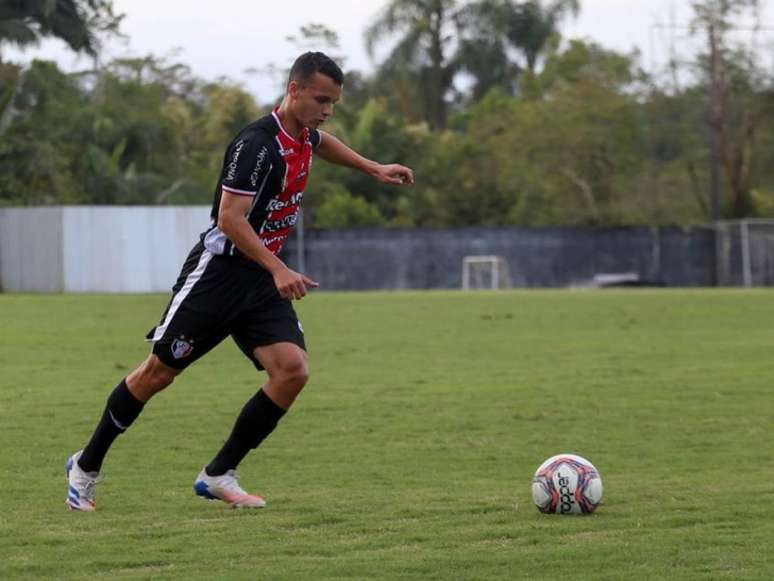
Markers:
(289, 122)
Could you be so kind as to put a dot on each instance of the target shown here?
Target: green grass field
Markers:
(410, 454)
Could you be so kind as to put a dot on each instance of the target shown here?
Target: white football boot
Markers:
(227, 489)
(81, 485)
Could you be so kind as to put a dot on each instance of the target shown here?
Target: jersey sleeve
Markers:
(315, 137)
(246, 164)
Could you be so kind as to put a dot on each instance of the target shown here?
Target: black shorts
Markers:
(216, 296)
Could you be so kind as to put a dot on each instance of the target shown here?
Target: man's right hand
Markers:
(291, 284)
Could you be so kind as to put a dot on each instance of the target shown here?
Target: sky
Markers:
(228, 37)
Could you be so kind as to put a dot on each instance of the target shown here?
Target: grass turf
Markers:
(410, 453)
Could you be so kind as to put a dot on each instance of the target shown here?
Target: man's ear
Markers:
(293, 89)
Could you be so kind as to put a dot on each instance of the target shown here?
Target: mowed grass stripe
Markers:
(410, 453)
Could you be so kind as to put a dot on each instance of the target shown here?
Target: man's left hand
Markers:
(394, 173)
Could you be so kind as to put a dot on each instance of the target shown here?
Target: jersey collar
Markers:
(304, 133)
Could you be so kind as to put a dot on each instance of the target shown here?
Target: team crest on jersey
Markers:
(181, 349)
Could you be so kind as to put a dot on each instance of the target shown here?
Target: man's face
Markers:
(312, 102)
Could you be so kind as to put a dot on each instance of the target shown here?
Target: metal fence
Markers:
(361, 259)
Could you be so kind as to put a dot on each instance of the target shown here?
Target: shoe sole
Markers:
(202, 491)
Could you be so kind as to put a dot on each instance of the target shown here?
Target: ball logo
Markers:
(565, 495)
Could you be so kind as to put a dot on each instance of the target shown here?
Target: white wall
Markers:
(109, 249)
(31, 249)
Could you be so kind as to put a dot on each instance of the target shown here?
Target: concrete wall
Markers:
(141, 249)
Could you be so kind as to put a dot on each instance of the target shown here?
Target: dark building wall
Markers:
(371, 259)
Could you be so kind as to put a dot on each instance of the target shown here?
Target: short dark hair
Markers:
(310, 63)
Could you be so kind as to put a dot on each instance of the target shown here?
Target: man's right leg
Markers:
(124, 404)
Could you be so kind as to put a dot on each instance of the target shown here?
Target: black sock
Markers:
(257, 420)
(121, 410)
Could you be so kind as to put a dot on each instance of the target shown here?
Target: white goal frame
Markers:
(498, 267)
(744, 252)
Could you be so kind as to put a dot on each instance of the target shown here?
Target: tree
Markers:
(673, 183)
(340, 209)
(734, 78)
(492, 30)
(137, 131)
(25, 22)
(422, 57)
(567, 154)
(484, 45)
(318, 37)
(39, 144)
(441, 38)
(531, 25)
(76, 22)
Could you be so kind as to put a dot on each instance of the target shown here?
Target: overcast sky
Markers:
(227, 37)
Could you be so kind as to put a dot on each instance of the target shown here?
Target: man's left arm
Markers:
(333, 150)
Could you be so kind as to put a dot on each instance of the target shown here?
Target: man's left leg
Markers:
(287, 367)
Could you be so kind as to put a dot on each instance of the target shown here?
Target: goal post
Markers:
(488, 272)
(744, 252)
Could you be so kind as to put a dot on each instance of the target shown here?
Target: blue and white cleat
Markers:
(81, 484)
(227, 489)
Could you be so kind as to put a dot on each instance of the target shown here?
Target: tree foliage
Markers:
(76, 22)
(546, 132)
(735, 82)
(442, 39)
(139, 131)
(421, 59)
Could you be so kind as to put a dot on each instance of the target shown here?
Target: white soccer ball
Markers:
(567, 484)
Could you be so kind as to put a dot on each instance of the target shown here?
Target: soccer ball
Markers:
(567, 484)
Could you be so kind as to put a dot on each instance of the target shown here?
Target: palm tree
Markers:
(76, 22)
(440, 38)
(483, 50)
(25, 22)
(532, 24)
(422, 53)
(494, 32)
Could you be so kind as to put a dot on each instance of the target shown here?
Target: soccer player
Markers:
(233, 283)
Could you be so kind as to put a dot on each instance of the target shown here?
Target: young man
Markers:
(234, 284)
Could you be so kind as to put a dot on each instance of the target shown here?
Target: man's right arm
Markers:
(233, 223)
(245, 174)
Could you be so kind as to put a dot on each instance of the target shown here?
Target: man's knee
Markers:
(291, 371)
(151, 377)
(160, 376)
